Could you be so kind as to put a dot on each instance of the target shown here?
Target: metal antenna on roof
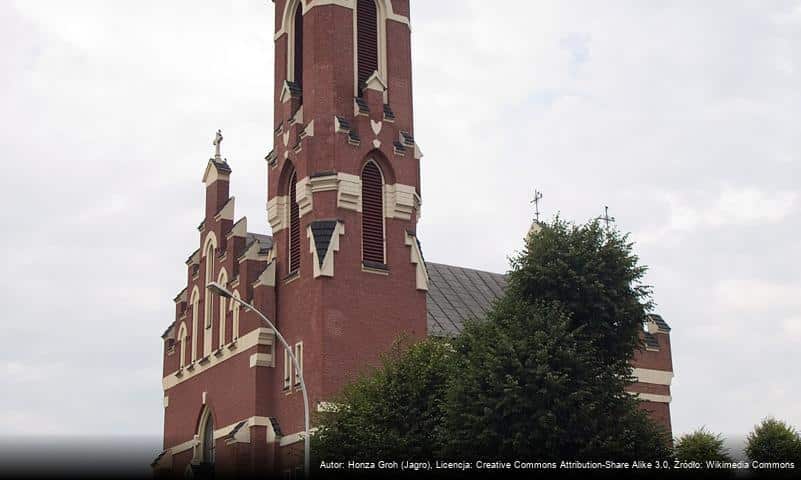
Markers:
(218, 139)
(606, 218)
(536, 203)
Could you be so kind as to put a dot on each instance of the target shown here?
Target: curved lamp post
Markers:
(221, 291)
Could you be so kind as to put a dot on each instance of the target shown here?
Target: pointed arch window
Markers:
(209, 276)
(207, 452)
(222, 280)
(294, 226)
(235, 317)
(297, 53)
(366, 41)
(182, 335)
(372, 214)
(195, 320)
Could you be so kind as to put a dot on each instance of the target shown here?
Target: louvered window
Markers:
(366, 40)
(298, 58)
(294, 227)
(372, 214)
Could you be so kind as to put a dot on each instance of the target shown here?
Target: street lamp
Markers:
(221, 291)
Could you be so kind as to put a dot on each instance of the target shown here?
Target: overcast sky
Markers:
(684, 117)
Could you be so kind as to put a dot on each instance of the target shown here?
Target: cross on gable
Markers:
(606, 218)
(536, 203)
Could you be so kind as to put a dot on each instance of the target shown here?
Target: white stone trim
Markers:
(295, 437)
(227, 212)
(267, 277)
(655, 377)
(324, 184)
(261, 360)
(243, 436)
(654, 328)
(327, 268)
(194, 259)
(349, 192)
(304, 197)
(259, 336)
(418, 154)
(376, 82)
(417, 259)
(650, 397)
(240, 229)
(211, 174)
(211, 237)
(182, 447)
(400, 201)
(166, 401)
(278, 213)
(195, 303)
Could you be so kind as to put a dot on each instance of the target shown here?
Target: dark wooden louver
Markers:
(299, 46)
(367, 40)
(294, 227)
(372, 215)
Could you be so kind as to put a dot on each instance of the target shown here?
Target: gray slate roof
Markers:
(265, 241)
(456, 294)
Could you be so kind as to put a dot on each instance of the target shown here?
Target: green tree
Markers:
(545, 375)
(394, 412)
(529, 386)
(592, 271)
(701, 446)
(774, 441)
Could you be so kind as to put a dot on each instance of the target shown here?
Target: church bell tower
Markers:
(344, 191)
(342, 276)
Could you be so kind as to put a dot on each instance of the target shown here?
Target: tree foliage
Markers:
(530, 387)
(591, 271)
(774, 441)
(395, 412)
(701, 446)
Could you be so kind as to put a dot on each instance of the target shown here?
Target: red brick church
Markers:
(343, 274)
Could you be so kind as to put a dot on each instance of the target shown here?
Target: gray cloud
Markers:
(682, 117)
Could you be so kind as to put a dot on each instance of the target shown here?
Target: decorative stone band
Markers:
(306, 188)
(417, 259)
(400, 201)
(656, 377)
(294, 438)
(242, 435)
(278, 213)
(650, 397)
(240, 432)
(349, 193)
(261, 360)
(259, 336)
